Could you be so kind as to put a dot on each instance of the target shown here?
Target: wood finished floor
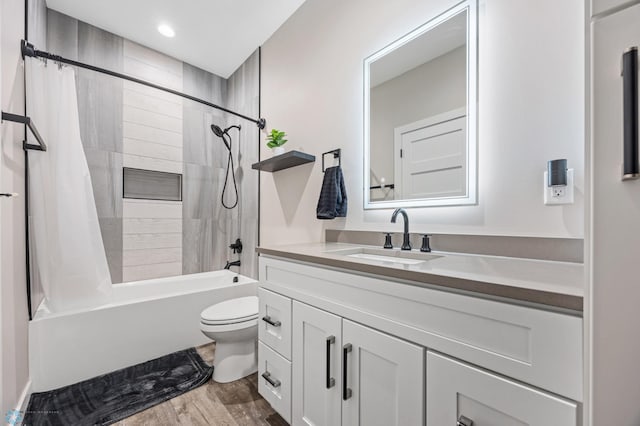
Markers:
(230, 404)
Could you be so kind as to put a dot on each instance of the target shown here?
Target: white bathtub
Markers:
(146, 320)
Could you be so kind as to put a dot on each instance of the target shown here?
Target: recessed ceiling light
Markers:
(166, 30)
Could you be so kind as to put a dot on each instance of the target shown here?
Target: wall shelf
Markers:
(284, 161)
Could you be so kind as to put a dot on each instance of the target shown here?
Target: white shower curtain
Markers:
(66, 240)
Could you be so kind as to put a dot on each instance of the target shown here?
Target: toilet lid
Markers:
(233, 310)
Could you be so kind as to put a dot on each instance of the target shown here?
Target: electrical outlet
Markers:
(557, 191)
(557, 195)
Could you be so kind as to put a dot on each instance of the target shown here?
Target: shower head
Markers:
(217, 130)
(221, 133)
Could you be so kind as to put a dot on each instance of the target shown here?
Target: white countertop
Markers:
(548, 278)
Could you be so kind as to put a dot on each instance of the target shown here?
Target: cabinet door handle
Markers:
(331, 382)
(273, 382)
(346, 392)
(464, 421)
(269, 321)
(631, 166)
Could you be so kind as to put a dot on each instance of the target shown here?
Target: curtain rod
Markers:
(29, 50)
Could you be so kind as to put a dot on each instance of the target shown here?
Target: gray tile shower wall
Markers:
(201, 146)
(99, 95)
(243, 91)
(117, 127)
(37, 23)
(208, 228)
(206, 225)
(62, 34)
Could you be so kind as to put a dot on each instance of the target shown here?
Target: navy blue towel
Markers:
(333, 195)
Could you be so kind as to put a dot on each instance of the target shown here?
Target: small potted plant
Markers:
(275, 140)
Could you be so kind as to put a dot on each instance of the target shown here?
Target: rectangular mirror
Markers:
(420, 115)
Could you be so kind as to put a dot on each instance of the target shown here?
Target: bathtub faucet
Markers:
(230, 264)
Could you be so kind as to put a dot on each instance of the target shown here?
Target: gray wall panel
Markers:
(208, 228)
(99, 95)
(243, 97)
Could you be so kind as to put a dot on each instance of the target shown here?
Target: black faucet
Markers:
(406, 245)
(230, 264)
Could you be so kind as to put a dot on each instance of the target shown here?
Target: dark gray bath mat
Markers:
(106, 399)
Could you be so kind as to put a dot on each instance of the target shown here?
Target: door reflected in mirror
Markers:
(420, 115)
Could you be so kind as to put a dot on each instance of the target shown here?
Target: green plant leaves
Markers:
(276, 138)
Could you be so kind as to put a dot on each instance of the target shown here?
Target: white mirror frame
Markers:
(472, 112)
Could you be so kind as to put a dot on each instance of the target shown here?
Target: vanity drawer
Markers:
(274, 380)
(274, 322)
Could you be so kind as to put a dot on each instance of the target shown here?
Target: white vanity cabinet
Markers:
(363, 350)
(349, 374)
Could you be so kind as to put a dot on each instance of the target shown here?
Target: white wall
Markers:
(531, 103)
(14, 320)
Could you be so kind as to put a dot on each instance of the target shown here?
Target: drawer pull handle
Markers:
(331, 382)
(269, 321)
(464, 421)
(346, 392)
(273, 382)
(631, 168)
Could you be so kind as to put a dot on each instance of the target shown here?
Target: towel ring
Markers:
(336, 154)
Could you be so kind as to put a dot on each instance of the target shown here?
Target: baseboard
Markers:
(24, 397)
(23, 401)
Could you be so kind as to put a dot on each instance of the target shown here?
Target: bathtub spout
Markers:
(230, 264)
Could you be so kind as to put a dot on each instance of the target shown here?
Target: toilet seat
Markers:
(233, 311)
(221, 328)
(229, 322)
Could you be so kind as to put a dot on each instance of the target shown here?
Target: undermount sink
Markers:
(385, 255)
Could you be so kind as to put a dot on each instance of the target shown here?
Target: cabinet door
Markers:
(384, 378)
(615, 228)
(316, 366)
(455, 389)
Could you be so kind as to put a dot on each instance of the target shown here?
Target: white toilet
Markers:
(233, 324)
